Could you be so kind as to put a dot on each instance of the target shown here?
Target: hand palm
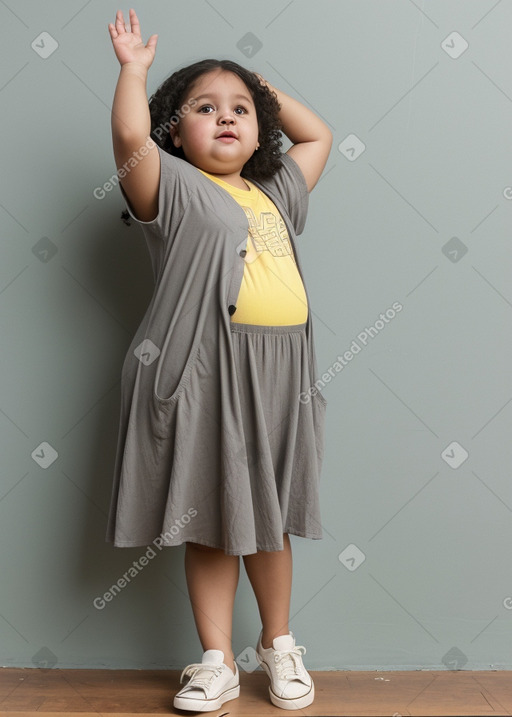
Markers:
(128, 44)
(130, 48)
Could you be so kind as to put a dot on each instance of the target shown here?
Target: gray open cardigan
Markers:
(196, 247)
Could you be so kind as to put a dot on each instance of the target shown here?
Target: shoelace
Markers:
(289, 662)
(197, 680)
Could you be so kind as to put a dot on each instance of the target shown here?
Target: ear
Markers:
(175, 137)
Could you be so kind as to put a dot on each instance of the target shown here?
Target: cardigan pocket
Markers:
(168, 383)
(319, 406)
(321, 397)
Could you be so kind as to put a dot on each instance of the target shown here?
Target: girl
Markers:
(221, 438)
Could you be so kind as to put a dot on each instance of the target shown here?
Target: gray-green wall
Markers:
(421, 217)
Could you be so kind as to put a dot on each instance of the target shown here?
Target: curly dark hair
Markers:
(165, 104)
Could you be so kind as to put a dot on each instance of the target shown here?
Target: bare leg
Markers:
(212, 580)
(270, 574)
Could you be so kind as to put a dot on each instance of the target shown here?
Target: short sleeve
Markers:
(290, 186)
(173, 196)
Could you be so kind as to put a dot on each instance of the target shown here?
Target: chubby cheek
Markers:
(201, 135)
(251, 133)
(196, 137)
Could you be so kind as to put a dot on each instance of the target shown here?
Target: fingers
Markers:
(120, 27)
(134, 22)
(151, 44)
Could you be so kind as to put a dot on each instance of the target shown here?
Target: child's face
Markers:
(222, 103)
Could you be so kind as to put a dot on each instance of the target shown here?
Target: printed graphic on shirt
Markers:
(268, 233)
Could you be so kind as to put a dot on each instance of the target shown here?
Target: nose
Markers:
(227, 118)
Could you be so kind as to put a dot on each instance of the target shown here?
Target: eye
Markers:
(241, 108)
(204, 107)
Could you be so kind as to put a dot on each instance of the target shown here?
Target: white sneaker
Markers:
(211, 684)
(291, 686)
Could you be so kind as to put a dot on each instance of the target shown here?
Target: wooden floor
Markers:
(89, 693)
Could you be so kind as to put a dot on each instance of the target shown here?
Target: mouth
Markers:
(227, 136)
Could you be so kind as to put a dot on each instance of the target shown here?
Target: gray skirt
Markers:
(246, 501)
(283, 437)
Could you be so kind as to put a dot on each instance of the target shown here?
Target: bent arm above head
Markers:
(137, 159)
(311, 137)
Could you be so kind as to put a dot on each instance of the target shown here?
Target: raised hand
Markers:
(128, 44)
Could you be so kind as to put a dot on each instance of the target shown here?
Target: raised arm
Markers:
(136, 156)
(312, 138)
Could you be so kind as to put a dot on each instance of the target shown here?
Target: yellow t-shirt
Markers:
(272, 292)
